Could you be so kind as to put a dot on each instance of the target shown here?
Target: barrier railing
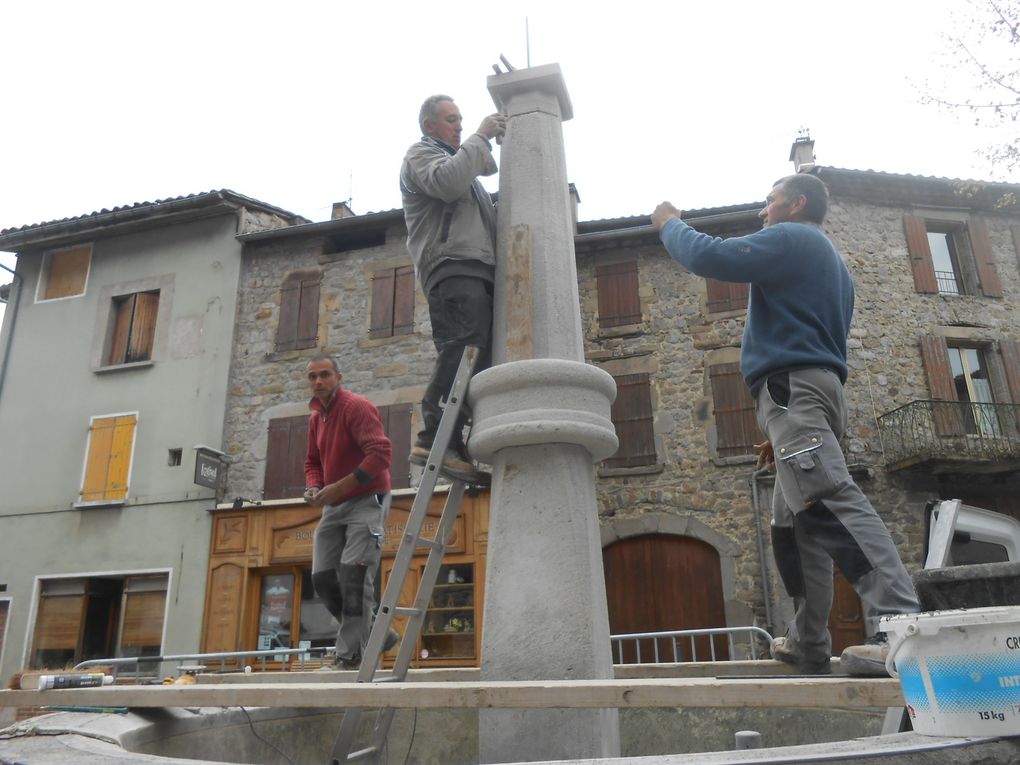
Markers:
(627, 649)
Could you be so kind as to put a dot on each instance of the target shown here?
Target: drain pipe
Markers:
(766, 582)
(14, 301)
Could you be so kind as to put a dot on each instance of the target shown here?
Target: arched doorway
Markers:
(664, 582)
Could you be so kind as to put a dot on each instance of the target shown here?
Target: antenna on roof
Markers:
(527, 40)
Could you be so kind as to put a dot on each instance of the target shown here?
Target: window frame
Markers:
(107, 501)
(975, 259)
(283, 478)
(297, 326)
(618, 290)
(106, 317)
(725, 418)
(634, 449)
(42, 284)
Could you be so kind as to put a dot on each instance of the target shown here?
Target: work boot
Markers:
(456, 463)
(867, 659)
(788, 650)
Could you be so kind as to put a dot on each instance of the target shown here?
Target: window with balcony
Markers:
(951, 257)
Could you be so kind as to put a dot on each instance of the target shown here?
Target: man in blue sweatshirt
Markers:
(793, 358)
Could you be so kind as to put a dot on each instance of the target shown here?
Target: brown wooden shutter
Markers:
(307, 331)
(396, 420)
(920, 254)
(619, 301)
(123, 311)
(632, 417)
(1010, 350)
(403, 301)
(58, 623)
(286, 451)
(935, 357)
(143, 327)
(1016, 243)
(726, 296)
(142, 622)
(290, 308)
(382, 303)
(67, 271)
(736, 426)
(984, 258)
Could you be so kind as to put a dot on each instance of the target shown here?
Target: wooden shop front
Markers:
(259, 593)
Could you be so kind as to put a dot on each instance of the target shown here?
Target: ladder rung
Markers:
(361, 753)
(407, 611)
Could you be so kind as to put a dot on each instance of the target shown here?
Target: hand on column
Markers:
(493, 126)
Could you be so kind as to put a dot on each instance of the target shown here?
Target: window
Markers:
(98, 617)
(633, 419)
(288, 447)
(970, 378)
(736, 427)
(285, 457)
(726, 296)
(134, 327)
(64, 272)
(392, 302)
(108, 461)
(619, 300)
(951, 258)
(299, 312)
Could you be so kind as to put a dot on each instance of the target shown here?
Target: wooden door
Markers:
(663, 582)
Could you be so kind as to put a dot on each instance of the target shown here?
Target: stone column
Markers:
(541, 418)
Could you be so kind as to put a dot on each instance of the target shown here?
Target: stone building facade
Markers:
(684, 513)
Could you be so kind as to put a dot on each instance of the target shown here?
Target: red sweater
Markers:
(347, 437)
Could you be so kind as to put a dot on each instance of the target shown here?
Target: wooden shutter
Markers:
(108, 463)
(396, 420)
(382, 303)
(920, 254)
(935, 357)
(1010, 351)
(4, 609)
(142, 618)
(285, 457)
(632, 417)
(123, 311)
(143, 327)
(619, 302)
(1016, 243)
(403, 301)
(984, 258)
(290, 308)
(307, 330)
(66, 272)
(59, 621)
(726, 296)
(736, 426)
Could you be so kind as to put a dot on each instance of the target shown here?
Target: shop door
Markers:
(664, 582)
(846, 620)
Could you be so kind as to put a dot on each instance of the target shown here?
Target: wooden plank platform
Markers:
(652, 692)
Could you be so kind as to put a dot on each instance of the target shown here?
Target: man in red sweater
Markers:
(347, 472)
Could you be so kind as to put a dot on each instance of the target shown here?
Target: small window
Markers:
(951, 257)
(735, 423)
(174, 456)
(108, 461)
(619, 299)
(633, 419)
(65, 272)
(392, 302)
(299, 312)
(134, 327)
(726, 296)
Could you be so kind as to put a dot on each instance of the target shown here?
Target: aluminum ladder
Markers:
(388, 608)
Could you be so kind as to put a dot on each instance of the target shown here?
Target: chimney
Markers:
(802, 154)
(342, 210)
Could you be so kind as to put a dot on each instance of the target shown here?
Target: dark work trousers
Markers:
(345, 557)
(820, 515)
(461, 311)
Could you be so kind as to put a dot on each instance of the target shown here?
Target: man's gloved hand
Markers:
(493, 126)
(310, 493)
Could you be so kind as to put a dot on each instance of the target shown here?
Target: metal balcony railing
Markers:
(951, 431)
(947, 282)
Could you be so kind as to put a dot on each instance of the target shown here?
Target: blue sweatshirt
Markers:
(802, 296)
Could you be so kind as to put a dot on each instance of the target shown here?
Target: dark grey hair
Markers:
(813, 190)
(428, 109)
(326, 357)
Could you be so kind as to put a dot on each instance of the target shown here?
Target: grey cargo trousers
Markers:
(819, 515)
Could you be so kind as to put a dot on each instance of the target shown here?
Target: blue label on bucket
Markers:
(912, 682)
(974, 683)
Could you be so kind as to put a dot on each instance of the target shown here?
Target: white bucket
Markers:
(959, 670)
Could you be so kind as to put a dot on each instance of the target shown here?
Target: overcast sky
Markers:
(304, 103)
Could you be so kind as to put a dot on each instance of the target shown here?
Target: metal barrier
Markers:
(620, 641)
(272, 654)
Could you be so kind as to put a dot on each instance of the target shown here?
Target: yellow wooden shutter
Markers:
(66, 272)
(109, 458)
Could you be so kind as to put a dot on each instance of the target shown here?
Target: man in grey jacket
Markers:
(451, 236)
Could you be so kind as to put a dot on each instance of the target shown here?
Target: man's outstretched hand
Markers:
(664, 212)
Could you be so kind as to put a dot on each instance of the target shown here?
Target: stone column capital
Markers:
(537, 88)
